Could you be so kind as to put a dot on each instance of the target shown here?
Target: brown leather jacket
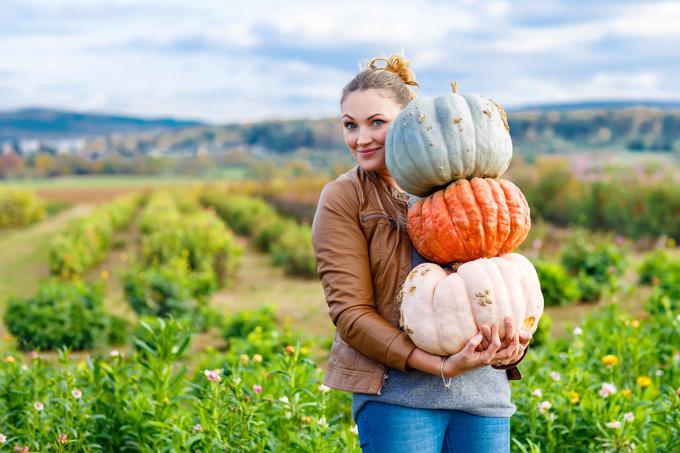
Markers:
(363, 256)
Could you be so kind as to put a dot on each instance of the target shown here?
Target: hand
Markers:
(513, 345)
(471, 356)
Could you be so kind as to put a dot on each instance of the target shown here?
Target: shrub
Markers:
(542, 335)
(294, 252)
(557, 286)
(240, 324)
(19, 207)
(60, 314)
(598, 266)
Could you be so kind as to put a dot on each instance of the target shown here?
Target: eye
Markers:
(350, 126)
(378, 123)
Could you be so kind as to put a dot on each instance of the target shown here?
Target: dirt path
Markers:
(24, 253)
(259, 282)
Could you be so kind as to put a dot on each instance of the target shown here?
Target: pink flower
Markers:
(614, 424)
(628, 416)
(3, 438)
(38, 406)
(607, 389)
(62, 438)
(555, 376)
(619, 240)
(538, 393)
(544, 406)
(257, 389)
(77, 394)
(213, 375)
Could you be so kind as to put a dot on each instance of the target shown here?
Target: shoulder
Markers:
(346, 190)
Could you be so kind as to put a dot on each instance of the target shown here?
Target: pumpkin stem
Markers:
(454, 87)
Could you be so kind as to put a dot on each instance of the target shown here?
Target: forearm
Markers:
(429, 363)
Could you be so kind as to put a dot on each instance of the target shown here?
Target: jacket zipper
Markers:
(383, 381)
(393, 223)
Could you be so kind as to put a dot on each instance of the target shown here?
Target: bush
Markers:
(657, 265)
(598, 266)
(557, 286)
(242, 323)
(542, 335)
(19, 207)
(61, 314)
(294, 251)
(165, 338)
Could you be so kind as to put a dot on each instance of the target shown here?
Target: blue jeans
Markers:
(387, 428)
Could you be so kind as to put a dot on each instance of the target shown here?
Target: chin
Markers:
(371, 164)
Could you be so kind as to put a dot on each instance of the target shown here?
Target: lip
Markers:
(368, 152)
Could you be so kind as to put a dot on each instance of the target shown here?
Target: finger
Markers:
(525, 337)
(486, 332)
(495, 340)
(509, 330)
(472, 344)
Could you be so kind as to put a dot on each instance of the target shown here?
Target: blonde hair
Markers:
(385, 73)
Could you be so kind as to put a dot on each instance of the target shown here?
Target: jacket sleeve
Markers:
(344, 267)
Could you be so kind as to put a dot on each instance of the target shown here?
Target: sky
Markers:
(227, 61)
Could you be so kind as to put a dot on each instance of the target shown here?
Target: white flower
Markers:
(354, 429)
(659, 372)
(324, 388)
(544, 406)
(197, 428)
(114, 353)
(577, 331)
(614, 425)
(77, 394)
(38, 406)
(538, 393)
(322, 422)
(607, 389)
(3, 438)
(284, 399)
(555, 376)
(628, 416)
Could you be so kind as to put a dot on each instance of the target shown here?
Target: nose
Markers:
(364, 139)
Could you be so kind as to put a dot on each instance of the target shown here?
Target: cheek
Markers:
(350, 139)
(381, 135)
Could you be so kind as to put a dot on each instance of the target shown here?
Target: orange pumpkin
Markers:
(470, 219)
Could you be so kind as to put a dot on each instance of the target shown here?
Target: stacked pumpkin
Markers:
(451, 151)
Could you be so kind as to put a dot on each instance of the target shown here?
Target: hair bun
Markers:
(395, 64)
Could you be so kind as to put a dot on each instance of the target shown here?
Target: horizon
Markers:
(222, 65)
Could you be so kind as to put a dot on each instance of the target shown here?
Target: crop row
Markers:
(19, 207)
(86, 241)
(187, 253)
(289, 243)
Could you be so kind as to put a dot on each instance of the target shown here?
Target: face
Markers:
(365, 117)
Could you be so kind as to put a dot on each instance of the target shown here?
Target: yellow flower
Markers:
(245, 359)
(10, 359)
(104, 275)
(574, 397)
(307, 419)
(635, 323)
(7, 338)
(257, 358)
(304, 351)
(644, 381)
(610, 360)
(626, 392)
(290, 350)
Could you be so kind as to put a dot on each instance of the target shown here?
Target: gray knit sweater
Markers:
(484, 391)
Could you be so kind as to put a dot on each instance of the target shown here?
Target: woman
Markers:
(404, 399)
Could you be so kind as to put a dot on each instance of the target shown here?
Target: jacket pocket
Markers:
(375, 218)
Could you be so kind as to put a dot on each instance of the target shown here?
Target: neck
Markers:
(387, 177)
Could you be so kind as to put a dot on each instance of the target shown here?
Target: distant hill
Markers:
(48, 123)
(599, 105)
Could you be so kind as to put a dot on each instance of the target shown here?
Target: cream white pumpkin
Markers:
(441, 309)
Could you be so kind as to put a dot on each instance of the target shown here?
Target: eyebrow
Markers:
(375, 114)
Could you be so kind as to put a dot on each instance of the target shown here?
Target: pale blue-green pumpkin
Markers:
(435, 141)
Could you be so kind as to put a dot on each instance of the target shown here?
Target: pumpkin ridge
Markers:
(503, 222)
(456, 207)
(428, 225)
(416, 229)
(446, 242)
(520, 221)
(475, 218)
(483, 194)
